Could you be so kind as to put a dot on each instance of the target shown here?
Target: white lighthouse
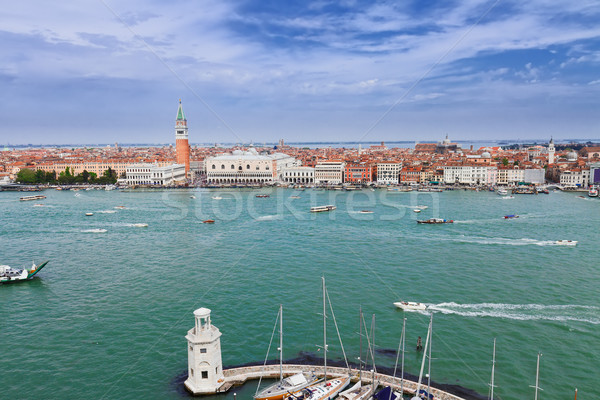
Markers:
(205, 368)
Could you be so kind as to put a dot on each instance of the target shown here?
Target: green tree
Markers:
(26, 176)
(85, 176)
(40, 176)
(50, 177)
(505, 161)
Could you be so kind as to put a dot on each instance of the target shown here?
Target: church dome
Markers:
(571, 156)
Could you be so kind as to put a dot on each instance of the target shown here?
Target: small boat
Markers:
(209, 221)
(294, 197)
(8, 274)
(120, 207)
(322, 208)
(566, 242)
(410, 306)
(217, 198)
(510, 216)
(417, 210)
(77, 195)
(435, 221)
(593, 192)
(29, 198)
(502, 192)
(366, 212)
(38, 205)
(89, 214)
(192, 197)
(262, 195)
(140, 225)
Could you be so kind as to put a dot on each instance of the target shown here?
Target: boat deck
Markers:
(239, 376)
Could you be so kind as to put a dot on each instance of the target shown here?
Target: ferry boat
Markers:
(410, 306)
(8, 274)
(322, 208)
(435, 221)
(29, 198)
(566, 242)
(593, 192)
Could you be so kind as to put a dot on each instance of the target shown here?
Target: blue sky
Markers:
(104, 71)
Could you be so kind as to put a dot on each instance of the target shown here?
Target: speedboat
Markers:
(566, 242)
(417, 210)
(9, 274)
(217, 198)
(89, 214)
(140, 225)
(502, 192)
(35, 197)
(322, 208)
(410, 306)
(435, 221)
(593, 192)
(366, 212)
(208, 221)
(509, 216)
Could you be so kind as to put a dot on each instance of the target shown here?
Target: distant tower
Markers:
(205, 369)
(551, 151)
(181, 139)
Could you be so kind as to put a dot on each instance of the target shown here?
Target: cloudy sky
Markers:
(102, 71)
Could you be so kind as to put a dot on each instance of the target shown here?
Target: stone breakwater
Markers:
(239, 376)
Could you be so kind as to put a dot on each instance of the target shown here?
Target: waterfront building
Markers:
(205, 366)
(595, 173)
(154, 175)
(575, 177)
(410, 174)
(475, 174)
(297, 175)
(241, 167)
(329, 172)
(358, 173)
(388, 172)
(182, 146)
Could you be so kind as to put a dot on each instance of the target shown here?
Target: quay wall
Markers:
(238, 376)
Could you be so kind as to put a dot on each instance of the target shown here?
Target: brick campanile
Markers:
(182, 146)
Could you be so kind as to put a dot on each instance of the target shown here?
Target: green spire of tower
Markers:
(180, 114)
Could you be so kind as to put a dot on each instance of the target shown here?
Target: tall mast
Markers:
(373, 350)
(360, 318)
(280, 342)
(537, 376)
(324, 332)
(423, 362)
(429, 368)
(402, 368)
(493, 369)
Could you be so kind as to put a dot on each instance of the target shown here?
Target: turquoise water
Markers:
(106, 319)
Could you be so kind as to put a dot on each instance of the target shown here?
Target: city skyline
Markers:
(311, 72)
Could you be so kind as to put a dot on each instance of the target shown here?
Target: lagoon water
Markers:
(106, 319)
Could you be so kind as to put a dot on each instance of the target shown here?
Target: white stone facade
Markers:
(471, 174)
(388, 173)
(329, 172)
(154, 175)
(241, 167)
(297, 175)
(205, 367)
(575, 178)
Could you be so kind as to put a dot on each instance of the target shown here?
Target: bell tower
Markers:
(205, 368)
(551, 151)
(182, 146)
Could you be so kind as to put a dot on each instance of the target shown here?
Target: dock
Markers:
(239, 376)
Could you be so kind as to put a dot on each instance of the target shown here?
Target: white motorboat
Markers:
(566, 242)
(322, 208)
(417, 210)
(217, 198)
(502, 192)
(593, 192)
(89, 214)
(410, 306)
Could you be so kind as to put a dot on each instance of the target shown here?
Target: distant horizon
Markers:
(499, 142)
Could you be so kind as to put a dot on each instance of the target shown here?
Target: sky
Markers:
(105, 71)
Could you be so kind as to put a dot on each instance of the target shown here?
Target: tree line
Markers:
(29, 176)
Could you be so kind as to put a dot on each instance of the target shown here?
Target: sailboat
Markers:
(358, 391)
(284, 386)
(324, 389)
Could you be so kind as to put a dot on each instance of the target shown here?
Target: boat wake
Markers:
(569, 312)
(268, 217)
(497, 240)
(107, 212)
(94, 231)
